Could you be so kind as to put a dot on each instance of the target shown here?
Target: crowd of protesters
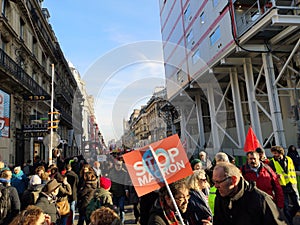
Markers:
(262, 191)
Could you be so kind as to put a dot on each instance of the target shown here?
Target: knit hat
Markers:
(35, 180)
(194, 162)
(105, 183)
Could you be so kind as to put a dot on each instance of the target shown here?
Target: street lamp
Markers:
(95, 130)
(83, 145)
(100, 141)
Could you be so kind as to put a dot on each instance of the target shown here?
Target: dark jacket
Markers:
(85, 194)
(157, 215)
(31, 195)
(15, 203)
(295, 157)
(104, 196)
(48, 206)
(198, 208)
(73, 180)
(120, 181)
(250, 206)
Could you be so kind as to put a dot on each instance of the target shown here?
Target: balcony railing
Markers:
(20, 75)
(246, 17)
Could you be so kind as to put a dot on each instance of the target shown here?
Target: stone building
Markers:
(28, 49)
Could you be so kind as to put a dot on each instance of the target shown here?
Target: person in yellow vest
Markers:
(284, 167)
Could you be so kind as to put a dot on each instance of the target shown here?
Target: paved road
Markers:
(129, 217)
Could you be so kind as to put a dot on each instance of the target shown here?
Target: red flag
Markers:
(251, 142)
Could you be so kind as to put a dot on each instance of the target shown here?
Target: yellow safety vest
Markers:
(290, 176)
(211, 198)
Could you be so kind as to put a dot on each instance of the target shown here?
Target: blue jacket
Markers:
(20, 182)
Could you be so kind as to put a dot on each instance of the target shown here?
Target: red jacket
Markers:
(266, 181)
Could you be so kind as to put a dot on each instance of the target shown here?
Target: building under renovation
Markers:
(230, 65)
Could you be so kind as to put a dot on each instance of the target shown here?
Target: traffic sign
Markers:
(55, 140)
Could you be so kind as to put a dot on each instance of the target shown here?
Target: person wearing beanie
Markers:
(105, 183)
(102, 197)
(31, 194)
(196, 164)
(104, 194)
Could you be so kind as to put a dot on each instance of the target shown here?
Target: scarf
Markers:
(169, 213)
(237, 196)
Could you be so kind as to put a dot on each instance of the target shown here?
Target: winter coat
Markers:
(20, 182)
(157, 216)
(296, 159)
(119, 179)
(250, 206)
(266, 180)
(31, 195)
(73, 180)
(104, 196)
(65, 191)
(198, 208)
(47, 204)
(85, 194)
(14, 200)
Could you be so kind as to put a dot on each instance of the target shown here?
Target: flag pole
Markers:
(167, 185)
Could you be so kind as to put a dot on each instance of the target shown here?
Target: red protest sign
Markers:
(144, 171)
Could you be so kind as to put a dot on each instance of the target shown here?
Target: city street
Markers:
(129, 217)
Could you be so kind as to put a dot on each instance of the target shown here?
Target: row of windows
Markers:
(214, 37)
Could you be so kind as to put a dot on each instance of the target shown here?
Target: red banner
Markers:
(145, 171)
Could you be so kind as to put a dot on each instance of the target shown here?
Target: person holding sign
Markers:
(163, 211)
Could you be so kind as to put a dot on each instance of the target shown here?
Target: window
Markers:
(22, 25)
(34, 47)
(44, 63)
(215, 3)
(3, 7)
(215, 36)
(187, 14)
(190, 36)
(202, 18)
(180, 76)
(196, 56)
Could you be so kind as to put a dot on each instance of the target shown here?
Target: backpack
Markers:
(5, 203)
(94, 204)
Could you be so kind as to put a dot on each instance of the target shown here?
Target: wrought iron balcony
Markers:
(18, 74)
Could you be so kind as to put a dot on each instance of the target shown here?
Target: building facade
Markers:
(231, 64)
(151, 123)
(30, 56)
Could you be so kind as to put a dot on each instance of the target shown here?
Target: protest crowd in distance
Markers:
(162, 184)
